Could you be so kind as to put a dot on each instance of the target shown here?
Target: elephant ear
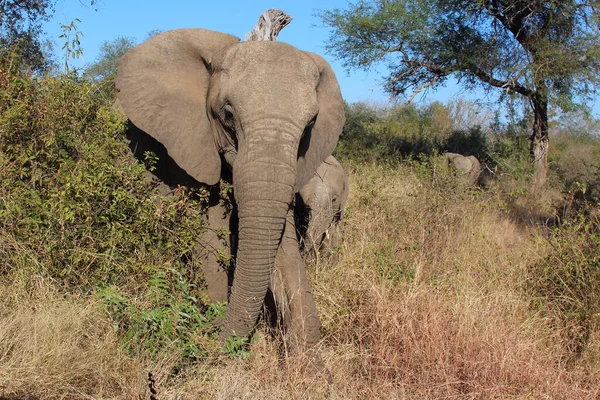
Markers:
(319, 143)
(162, 86)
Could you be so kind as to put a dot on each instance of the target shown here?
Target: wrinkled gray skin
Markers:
(324, 197)
(323, 201)
(469, 165)
(264, 112)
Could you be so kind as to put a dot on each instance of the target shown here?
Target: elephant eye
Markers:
(308, 127)
(228, 110)
(228, 117)
(312, 122)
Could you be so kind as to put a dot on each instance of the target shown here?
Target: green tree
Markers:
(104, 68)
(21, 30)
(21, 26)
(105, 65)
(546, 52)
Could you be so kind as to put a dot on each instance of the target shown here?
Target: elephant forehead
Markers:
(269, 58)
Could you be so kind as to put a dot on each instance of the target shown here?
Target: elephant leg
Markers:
(278, 312)
(215, 275)
(302, 325)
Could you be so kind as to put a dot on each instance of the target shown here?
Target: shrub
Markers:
(575, 161)
(391, 133)
(167, 317)
(73, 195)
(73, 192)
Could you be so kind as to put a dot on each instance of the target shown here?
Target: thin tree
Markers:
(547, 52)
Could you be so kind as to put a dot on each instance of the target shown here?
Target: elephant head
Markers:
(269, 113)
(324, 199)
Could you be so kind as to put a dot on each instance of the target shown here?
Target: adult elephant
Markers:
(265, 111)
(467, 165)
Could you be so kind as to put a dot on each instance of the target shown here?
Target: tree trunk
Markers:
(270, 23)
(539, 141)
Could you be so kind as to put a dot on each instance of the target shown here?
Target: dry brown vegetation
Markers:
(57, 346)
(428, 299)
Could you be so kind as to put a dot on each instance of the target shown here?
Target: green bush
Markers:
(392, 133)
(384, 135)
(72, 194)
(167, 317)
(576, 161)
(72, 191)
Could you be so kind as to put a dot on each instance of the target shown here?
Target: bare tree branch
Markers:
(421, 88)
(270, 23)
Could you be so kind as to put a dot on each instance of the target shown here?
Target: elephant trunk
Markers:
(321, 214)
(263, 187)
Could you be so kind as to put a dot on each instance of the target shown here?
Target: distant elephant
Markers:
(469, 165)
(261, 114)
(322, 206)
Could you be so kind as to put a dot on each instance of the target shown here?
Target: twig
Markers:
(152, 386)
(422, 87)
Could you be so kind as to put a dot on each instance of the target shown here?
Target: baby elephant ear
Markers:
(328, 126)
(162, 86)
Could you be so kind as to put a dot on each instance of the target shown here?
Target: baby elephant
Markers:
(319, 208)
(322, 206)
(469, 165)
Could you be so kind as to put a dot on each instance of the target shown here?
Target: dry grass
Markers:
(426, 301)
(54, 346)
(454, 323)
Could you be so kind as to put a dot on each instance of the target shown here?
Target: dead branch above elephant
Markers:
(270, 23)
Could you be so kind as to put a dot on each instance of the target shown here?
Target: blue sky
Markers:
(135, 18)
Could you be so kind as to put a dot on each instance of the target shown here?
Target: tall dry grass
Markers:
(426, 300)
(54, 345)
